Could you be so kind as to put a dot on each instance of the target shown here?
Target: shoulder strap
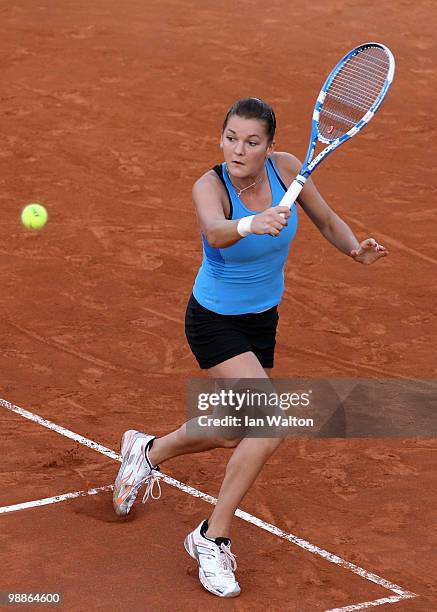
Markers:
(272, 165)
(218, 169)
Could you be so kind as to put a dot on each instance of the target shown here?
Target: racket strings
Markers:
(351, 80)
(353, 91)
(355, 82)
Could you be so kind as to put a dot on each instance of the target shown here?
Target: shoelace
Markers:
(227, 559)
(151, 480)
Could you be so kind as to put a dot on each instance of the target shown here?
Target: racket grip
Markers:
(293, 191)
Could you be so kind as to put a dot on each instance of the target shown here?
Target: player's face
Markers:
(245, 146)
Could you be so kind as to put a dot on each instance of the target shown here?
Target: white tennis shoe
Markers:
(216, 562)
(135, 471)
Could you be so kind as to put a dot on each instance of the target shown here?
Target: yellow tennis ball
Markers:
(34, 216)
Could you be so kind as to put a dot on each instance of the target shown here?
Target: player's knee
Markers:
(228, 442)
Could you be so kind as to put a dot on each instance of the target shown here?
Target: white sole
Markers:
(118, 479)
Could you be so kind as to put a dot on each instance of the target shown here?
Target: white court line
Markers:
(370, 604)
(61, 430)
(53, 500)
(399, 591)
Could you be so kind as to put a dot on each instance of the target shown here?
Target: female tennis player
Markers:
(231, 316)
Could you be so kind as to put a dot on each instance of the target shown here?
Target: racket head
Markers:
(353, 92)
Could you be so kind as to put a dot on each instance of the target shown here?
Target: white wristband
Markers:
(244, 225)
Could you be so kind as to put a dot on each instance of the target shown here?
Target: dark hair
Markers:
(254, 108)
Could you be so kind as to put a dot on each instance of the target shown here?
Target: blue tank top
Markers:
(248, 276)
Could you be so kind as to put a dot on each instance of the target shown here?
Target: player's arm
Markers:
(221, 232)
(330, 225)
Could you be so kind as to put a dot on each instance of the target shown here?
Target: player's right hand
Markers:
(271, 221)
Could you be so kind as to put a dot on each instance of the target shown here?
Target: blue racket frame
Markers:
(310, 164)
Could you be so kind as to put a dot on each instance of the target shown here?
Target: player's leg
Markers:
(143, 453)
(179, 442)
(210, 542)
(242, 470)
(247, 459)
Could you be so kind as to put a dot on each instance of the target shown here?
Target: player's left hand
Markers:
(368, 252)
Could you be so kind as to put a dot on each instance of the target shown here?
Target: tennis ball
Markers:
(34, 216)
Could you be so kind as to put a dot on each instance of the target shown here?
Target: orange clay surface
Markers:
(109, 111)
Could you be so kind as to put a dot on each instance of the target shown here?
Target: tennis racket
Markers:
(350, 97)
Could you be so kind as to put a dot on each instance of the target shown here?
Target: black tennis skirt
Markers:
(214, 338)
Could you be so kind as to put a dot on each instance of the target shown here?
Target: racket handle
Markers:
(293, 191)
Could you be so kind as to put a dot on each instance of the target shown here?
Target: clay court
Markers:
(108, 113)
